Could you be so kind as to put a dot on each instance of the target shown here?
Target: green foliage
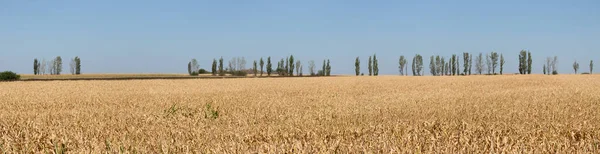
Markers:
(370, 67)
(328, 68)
(262, 64)
(210, 112)
(575, 66)
(432, 66)
(77, 65)
(291, 65)
(35, 66)
(214, 67)
(523, 62)
(402, 65)
(203, 71)
(375, 65)
(269, 66)
(554, 72)
(502, 64)
(255, 69)
(357, 66)
(239, 73)
(324, 68)
(9, 76)
(221, 71)
(544, 69)
(494, 57)
(59, 148)
(466, 63)
(529, 62)
(57, 65)
(417, 65)
(591, 66)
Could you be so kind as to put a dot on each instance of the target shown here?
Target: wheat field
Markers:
(387, 114)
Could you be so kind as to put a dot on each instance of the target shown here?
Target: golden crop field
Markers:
(388, 114)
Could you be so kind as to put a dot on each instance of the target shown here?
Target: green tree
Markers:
(328, 68)
(77, 65)
(291, 64)
(502, 64)
(432, 66)
(544, 69)
(375, 65)
(324, 68)
(575, 67)
(214, 67)
(470, 63)
(262, 64)
(438, 66)
(221, 71)
(255, 68)
(443, 63)
(417, 65)
(529, 62)
(402, 65)
(269, 66)
(466, 63)
(58, 65)
(523, 62)
(370, 67)
(453, 64)
(190, 68)
(35, 66)
(494, 57)
(357, 66)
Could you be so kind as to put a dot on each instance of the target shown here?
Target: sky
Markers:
(157, 36)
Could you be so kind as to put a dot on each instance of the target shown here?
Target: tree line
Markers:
(55, 66)
(287, 66)
(488, 65)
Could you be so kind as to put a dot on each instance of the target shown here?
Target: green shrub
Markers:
(203, 71)
(9, 76)
(194, 73)
(239, 73)
(585, 73)
(554, 72)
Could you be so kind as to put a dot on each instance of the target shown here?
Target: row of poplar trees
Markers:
(287, 66)
(439, 66)
(54, 66)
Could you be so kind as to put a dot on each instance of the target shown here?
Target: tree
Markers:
(575, 66)
(298, 65)
(466, 62)
(554, 63)
(417, 65)
(35, 66)
(402, 62)
(291, 70)
(190, 68)
(221, 71)
(72, 66)
(502, 64)
(375, 66)
(77, 65)
(523, 62)
(357, 66)
(529, 62)
(214, 67)
(453, 64)
(432, 66)
(311, 67)
(479, 64)
(42, 67)
(591, 66)
(255, 68)
(58, 65)
(324, 69)
(470, 63)
(549, 65)
(194, 66)
(443, 66)
(438, 65)
(370, 66)
(544, 69)
(457, 65)
(488, 62)
(262, 64)
(328, 68)
(287, 67)
(269, 66)
(494, 58)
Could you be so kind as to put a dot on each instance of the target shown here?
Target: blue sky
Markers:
(156, 36)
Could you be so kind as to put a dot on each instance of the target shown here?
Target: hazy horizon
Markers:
(162, 37)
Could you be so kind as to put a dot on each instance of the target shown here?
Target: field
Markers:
(388, 114)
